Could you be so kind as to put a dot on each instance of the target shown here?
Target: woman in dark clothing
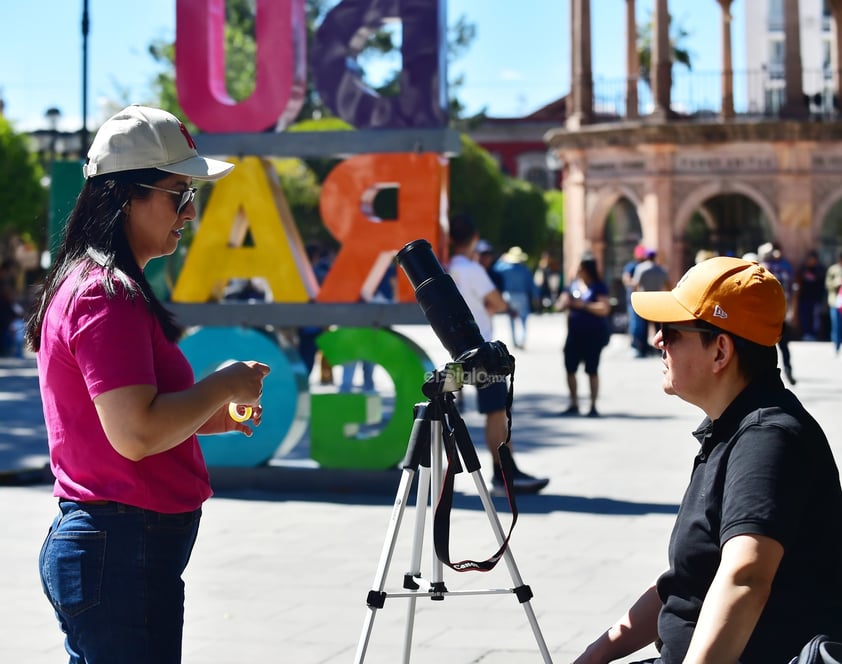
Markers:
(587, 303)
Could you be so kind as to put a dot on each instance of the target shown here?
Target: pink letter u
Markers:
(281, 36)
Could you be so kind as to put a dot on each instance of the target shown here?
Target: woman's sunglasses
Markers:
(184, 197)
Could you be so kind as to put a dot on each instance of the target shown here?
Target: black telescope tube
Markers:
(439, 298)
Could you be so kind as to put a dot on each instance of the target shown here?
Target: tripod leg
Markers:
(522, 591)
(377, 597)
(436, 445)
(415, 560)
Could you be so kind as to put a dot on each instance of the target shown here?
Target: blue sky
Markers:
(519, 61)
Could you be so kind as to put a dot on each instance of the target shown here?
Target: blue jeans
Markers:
(519, 302)
(112, 573)
(348, 376)
(836, 328)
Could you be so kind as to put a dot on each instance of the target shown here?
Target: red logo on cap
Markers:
(187, 135)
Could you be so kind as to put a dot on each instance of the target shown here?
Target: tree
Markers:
(524, 216)
(678, 54)
(23, 198)
(476, 189)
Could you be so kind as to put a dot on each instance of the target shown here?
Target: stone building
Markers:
(727, 181)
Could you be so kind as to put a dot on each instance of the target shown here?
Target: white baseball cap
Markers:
(142, 137)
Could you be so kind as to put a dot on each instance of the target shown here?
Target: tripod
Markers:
(438, 425)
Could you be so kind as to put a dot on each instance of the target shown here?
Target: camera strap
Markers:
(457, 440)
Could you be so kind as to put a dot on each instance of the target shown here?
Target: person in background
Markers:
(833, 287)
(648, 276)
(638, 256)
(772, 258)
(484, 300)
(588, 303)
(809, 282)
(486, 256)
(518, 290)
(547, 280)
(385, 293)
(121, 405)
(754, 556)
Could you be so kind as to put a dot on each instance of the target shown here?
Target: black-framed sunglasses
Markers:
(670, 330)
(184, 198)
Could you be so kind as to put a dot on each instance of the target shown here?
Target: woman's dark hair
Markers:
(753, 360)
(589, 267)
(95, 236)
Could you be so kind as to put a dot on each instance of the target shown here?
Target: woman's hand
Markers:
(246, 382)
(221, 422)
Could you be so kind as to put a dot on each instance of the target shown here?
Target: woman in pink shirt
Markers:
(121, 405)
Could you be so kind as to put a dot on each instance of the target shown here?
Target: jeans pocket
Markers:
(72, 564)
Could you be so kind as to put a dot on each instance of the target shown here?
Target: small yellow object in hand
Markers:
(239, 413)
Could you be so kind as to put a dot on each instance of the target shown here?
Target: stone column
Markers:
(632, 62)
(727, 111)
(661, 69)
(575, 210)
(580, 111)
(794, 106)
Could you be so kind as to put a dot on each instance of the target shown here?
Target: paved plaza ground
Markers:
(286, 556)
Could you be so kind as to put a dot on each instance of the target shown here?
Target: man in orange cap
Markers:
(755, 556)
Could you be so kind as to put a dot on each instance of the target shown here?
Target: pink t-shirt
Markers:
(91, 344)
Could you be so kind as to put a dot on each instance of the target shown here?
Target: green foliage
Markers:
(476, 189)
(524, 217)
(23, 199)
(507, 211)
(302, 190)
(555, 211)
(554, 240)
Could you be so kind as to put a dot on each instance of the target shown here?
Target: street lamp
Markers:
(53, 115)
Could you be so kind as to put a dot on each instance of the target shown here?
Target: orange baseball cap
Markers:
(738, 296)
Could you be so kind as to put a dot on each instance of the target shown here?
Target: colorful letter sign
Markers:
(422, 101)
(281, 36)
(330, 414)
(421, 181)
(284, 393)
(249, 199)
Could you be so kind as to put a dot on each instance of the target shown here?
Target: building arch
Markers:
(695, 199)
(828, 231)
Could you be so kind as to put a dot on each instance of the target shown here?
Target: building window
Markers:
(776, 58)
(775, 17)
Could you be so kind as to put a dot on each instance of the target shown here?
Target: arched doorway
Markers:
(830, 234)
(622, 232)
(727, 224)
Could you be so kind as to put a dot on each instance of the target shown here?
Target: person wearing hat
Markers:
(518, 290)
(484, 300)
(755, 556)
(121, 405)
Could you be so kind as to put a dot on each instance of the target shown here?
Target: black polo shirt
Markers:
(764, 468)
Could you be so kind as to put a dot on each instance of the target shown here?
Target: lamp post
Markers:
(53, 115)
(83, 134)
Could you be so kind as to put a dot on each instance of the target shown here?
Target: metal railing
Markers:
(757, 94)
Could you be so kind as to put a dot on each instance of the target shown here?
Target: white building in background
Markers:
(765, 49)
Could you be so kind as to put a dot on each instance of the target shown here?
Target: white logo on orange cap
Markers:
(719, 312)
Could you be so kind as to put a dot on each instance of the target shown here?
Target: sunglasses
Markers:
(185, 197)
(669, 331)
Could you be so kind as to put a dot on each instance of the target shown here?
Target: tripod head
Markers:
(488, 363)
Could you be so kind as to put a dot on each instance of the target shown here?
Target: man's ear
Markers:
(725, 352)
